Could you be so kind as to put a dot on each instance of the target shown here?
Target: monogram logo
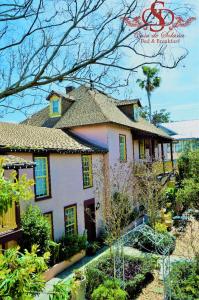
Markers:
(157, 13)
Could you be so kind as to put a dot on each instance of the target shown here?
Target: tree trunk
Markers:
(149, 101)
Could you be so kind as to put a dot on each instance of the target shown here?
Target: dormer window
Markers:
(55, 107)
(136, 112)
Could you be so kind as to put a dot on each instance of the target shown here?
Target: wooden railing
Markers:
(8, 220)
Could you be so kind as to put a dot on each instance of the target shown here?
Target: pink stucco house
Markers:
(75, 137)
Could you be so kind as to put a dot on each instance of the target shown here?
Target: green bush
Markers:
(184, 281)
(61, 291)
(71, 244)
(36, 230)
(94, 277)
(21, 274)
(54, 249)
(188, 194)
(148, 240)
(160, 227)
(111, 290)
(188, 165)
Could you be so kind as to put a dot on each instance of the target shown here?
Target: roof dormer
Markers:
(131, 108)
(55, 106)
(59, 103)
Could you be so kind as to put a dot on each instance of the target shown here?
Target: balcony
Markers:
(8, 221)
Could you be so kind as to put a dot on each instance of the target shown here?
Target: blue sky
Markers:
(179, 90)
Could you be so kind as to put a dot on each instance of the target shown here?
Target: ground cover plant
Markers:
(137, 272)
(111, 290)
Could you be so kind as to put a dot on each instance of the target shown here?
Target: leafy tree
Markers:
(13, 189)
(21, 274)
(150, 83)
(36, 229)
(158, 117)
(188, 165)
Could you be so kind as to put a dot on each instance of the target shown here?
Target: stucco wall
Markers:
(67, 189)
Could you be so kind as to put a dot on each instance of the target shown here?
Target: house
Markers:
(185, 135)
(100, 119)
(78, 138)
(64, 186)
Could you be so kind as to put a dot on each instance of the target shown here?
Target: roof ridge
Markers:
(94, 98)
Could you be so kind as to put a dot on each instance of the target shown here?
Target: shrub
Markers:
(21, 274)
(184, 281)
(94, 277)
(61, 291)
(36, 229)
(188, 195)
(111, 290)
(188, 165)
(72, 244)
(160, 228)
(148, 240)
(54, 249)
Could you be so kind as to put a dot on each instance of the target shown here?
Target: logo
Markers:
(161, 22)
(158, 14)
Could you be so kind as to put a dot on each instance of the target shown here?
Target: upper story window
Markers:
(87, 171)
(122, 142)
(142, 149)
(136, 112)
(41, 177)
(55, 107)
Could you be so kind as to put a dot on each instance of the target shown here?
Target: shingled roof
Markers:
(95, 107)
(15, 162)
(25, 137)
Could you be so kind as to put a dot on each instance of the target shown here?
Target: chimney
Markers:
(69, 88)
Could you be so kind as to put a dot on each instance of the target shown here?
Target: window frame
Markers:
(48, 181)
(55, 114)
(52, 223)
(75, 218)
(90, 171)
(125, 148)
(144, 145)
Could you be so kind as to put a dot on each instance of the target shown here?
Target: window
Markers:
(49, 217)
(55, 107)
(41, 177)
(142, 153)
(70, 218)
(136, 112)
(122, 142)
(87, 171)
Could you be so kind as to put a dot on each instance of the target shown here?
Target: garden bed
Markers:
(137, 271)
(60, 267)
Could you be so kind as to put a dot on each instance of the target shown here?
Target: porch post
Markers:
(150, 150)
(171, 149)
(162, 150)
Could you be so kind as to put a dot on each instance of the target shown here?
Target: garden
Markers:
(137, 261)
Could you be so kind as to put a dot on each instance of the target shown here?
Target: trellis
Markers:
(129, 239)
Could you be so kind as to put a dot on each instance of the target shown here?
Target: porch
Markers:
(152, 151)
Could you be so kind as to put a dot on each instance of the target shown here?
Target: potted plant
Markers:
(78, 288)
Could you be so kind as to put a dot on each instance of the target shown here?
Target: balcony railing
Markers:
(8, 220)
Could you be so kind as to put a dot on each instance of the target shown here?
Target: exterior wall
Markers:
(66, 189)
(97, 134)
